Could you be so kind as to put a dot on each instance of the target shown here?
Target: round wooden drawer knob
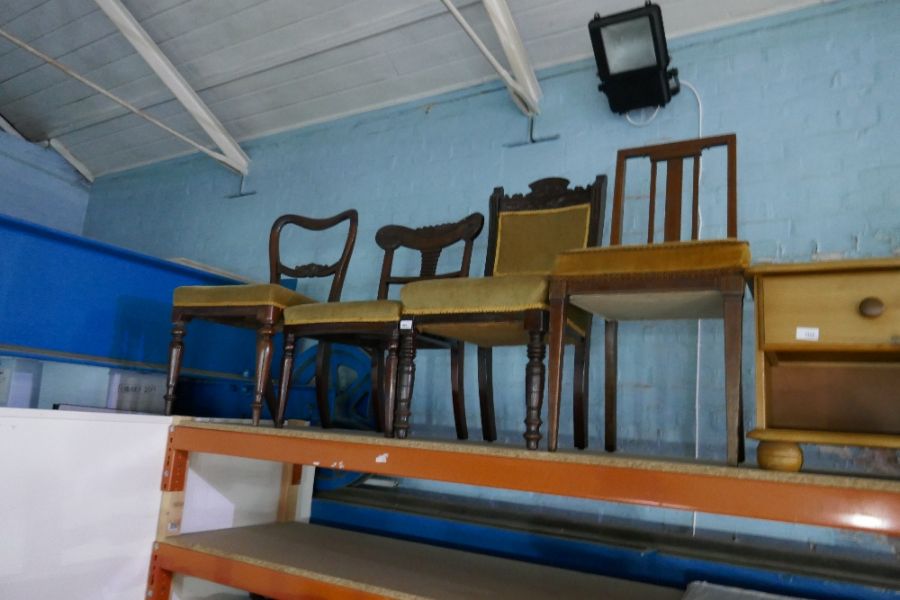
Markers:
(871, 307)
(779, 456)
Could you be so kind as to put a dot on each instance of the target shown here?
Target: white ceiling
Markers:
(264, 66)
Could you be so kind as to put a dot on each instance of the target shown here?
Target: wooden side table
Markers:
(827, 357)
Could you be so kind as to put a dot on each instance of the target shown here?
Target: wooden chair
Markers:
(374, 324)
(670, 280)
(508, 307)
(260, 306)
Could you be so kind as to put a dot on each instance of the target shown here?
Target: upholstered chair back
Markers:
(528, 231)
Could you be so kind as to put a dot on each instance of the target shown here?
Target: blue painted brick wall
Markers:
(39, 186)
(812, 96)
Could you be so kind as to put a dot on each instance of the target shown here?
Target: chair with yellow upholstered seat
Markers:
(260, 306)
(374, 324)
(509, 307)
(671, 280)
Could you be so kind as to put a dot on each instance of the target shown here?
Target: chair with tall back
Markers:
(508, 307)
(374, 324)
(260, 306)
(671, 280)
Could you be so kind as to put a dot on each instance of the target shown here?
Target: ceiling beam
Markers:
(56, 145)
(70, 158)
(50, 60)
(166, 71)
(284, 55)
(8, 128)
(526, 96)
(502, 19)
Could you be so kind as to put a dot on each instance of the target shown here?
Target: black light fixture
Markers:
(633, 59)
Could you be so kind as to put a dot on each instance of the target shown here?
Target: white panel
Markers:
(256, 100)
(79, 511)
(13, 9)
(330, 63)
(223, 491)
(653, 305)
(269, 50)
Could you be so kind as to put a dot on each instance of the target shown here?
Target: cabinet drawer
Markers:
(827, 307)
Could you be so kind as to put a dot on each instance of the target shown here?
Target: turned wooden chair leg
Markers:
(457, 378)
(486, 394)
(287, 368)
(406, 379)
(390, 383)
(176, 351)
(611, 379)
(377, 389)
(534, 389)
(323, 376)
(555, 362)
(263, 365)
(733, 309)
(581, 400)
(271, 401)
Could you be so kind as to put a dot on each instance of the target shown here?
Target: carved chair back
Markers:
(429, 242)
(337, 269)
(674, 155)
(528, 231)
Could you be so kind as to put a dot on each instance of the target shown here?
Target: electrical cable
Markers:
(643, 123)
(693, 89)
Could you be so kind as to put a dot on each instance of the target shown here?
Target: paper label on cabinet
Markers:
(808, 334)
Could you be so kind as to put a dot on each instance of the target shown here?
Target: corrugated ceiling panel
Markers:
(270, 65)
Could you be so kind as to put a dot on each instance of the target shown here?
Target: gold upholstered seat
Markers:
(257, 294)
(500, 294)
(674, 279)
(363, 311)
(504, 293)
(260, 306)
(509, 306)
(667, 257)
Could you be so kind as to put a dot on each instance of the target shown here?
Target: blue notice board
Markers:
(65, 297)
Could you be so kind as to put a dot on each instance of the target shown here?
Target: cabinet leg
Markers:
(779, 456)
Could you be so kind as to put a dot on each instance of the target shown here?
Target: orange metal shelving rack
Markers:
(863, 504)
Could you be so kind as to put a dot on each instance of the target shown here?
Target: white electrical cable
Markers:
(643, 123)
(691, 87)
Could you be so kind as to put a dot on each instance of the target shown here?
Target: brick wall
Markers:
(39, 186)
(812, 96)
